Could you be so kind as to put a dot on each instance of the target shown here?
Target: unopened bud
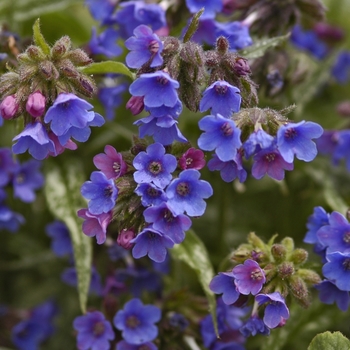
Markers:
(48, 70)
(35, 53)
(9, 107)
(309, 276)
(222, 45)
(299, 290)
(343, 108)
(36, 104)
(61, 47)
(288, 243)
(79, 57)
(86, 86)
(279, 252)
(241, 66)
(135, 104)
(285, 270)
(254, 240)
(299, 256)
(327, 32)
(124, 238)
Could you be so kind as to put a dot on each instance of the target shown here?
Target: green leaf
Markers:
(329, 341)
(39, 39)
(62, 190)
(261, 46)
(193, 253)
(107, 67)
(192, 28)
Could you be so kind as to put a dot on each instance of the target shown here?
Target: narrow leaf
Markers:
(192, 28)
(329, 341)
(193, 252)
(261, 46)
(62, 190)
(39, 39)
(107, 67)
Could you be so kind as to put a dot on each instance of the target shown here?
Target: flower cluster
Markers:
(329, 233)
(264, 276)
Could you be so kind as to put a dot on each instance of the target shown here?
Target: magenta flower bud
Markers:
(241, 66)
(36, 104)
(124, 238)
(9, 107)
(135, 104)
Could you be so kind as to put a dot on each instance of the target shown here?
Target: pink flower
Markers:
(36, 104)
(9, 107)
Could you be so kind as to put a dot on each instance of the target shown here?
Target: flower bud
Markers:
(309, 276)
(61, 47)
(299, 256)
(124, 238)
(343, 109)
(79, 57)
(285, 270)
(222, 45)
(288, 243)
(9, 107)
(299, 290)
(279, 252)
(241, 66)
(48, 70)
(35, 53)
(135, 104)
(36, 104)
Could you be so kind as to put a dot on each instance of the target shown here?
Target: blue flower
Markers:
(335, 235)
(337, 269)
(123, 345)
(254, 326)
(152, 243)
(221, 135)
(236, 33)
(222, 98)
(34, 138)
(136, 321)
(68, 110)
(105, 43)
(224, 283)
(94, 331)
(330, 293)
(340, 140)
(150, 194)
(249, 277)
(269, 161)
(315, 221)
(257, 141)
(229, 170)
(111, 98)
(186, 193)
(163, 111)
(295, 138)
(100, 10)
(341, 67)
(61, 243)
(26, 179)
(101, 192)
(276, 310)
(7, 166)
(144, 46)
(10, 220)
(154, 166)
(178, 321)
(210, 7)
(164, 220)
(157, 88)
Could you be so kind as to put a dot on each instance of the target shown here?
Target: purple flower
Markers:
(229, 170)
(186, 193)
(152, 243)
(327, 142)
(254, 326)
(224, 283)
(61, 243)
(192, 159)
(135, 104)
(336, 234)
(111, 98)
(257, 141)
(315, 221)
(337, 269)
(58, 147)
(105, 43)
(26, 179)
(101, 191)
(67, 111)
(269, 161)
(150, 194)
(157, 88)
(341, 143)
(249, 277)
(36, 103)
(144, 46)
(95, 225)
(7, 166)
(111, 163)
(9, 107)
(10, 220)
(124, 238)
(222, 98)
(94, 331)
(210, 6)
(329, 293)
(206, 32)
(33, 138)
(123, 345)
(136, 321)
(295, 138)
(341, 67)
(164, 220)
(276, 310)
(163, 130)
(154, 166)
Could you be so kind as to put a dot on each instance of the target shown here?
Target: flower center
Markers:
(226, 129)
(98, 328)
(256, 275)
(221, 89)
(152, 192)
(183, 189)
(132, 321)
(290, 134)
(270, 157)
(153, 46)
(116, 167)
(162, 80)
(20, 178)
(168, 216)
(346, 237)
(108, 191)
(346, 264)
(155, 167)
(189, 161)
